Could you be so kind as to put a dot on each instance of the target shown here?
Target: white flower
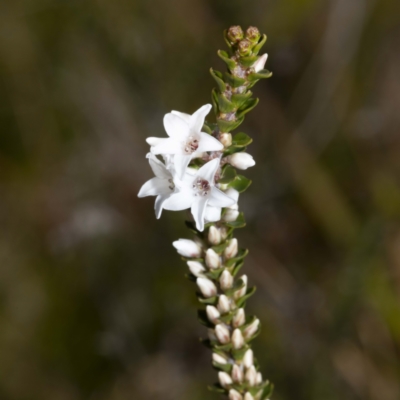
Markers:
(162, 185)
(241, 160)
(213, 214)
(260, 63)
(186, 140)
(197, 191)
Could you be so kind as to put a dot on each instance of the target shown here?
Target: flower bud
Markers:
(260, 63)
(248, 359)
(239, 318)
(219, 359)
(226, 139)
(224, 379)
(187, 248)
(226, 280)
(235, 395)
(259, 394)
(259, 378)
(251, 329)
(212, 259)
(230, 215)
(235, 33)
(214, 235)
(196, 268)
(212, 314)
(237, 374)
(253, 34)
(241, 292)
(241, 160)
(251, 376)
(237, 339)
(222, 333)
(224, 304)
(248, 396)
(211, 335)
(207, 287)
(232, 249)
(244, 47)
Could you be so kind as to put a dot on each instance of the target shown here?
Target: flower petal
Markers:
(208, 170)
(179, 201)
(184, 116)
(208, 143)
(154, 187)
(212, 214)
(167, 146)
(180, 164)
(220, 199)
(158, 205)
(198, 209)
(153, 141)
(197, 119)
(176, 127)
(159, 169)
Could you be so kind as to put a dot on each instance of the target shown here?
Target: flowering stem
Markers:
(213, 258)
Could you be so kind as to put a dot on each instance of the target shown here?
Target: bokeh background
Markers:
(93, 300)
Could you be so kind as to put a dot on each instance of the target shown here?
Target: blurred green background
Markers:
(93, 300)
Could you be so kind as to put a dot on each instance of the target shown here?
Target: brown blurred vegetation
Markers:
(93, 300)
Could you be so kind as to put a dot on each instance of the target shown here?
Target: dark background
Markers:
(93, 300)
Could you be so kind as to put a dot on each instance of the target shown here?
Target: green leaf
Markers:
(268, 391)
(228, 174)
(236, 286)
(239, 223)
(217, 77)
(232, 261)
(227, 126)
(259, 45)
(248, 294)
(222, 367)
(238, 354)
(220, 247)
(241, 183)
(234, 81)
(248, 61)
(239, 98)
(207, 128)
(224, 347)
(192, 226)
(227, 318)
(241, 140)
(214, 273)
(217, 388)
(263, 74)
(247, 106)
(209, 300)
(237, 268)
(202, 317)
(225, 105)
(224, 56)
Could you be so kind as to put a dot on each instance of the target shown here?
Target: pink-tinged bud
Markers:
(251, 329)
(260, 63)
(248, 359)
(214, 235)
(211, 335)
(241, 160)
(237, 339)
(224, 379)
(235, 395)
(207, 287)
(224, 304)
(196, 268)
(226, 280)
(251, 376)
(241, 292)
(239, 318)
(187, 248)
(259, 378)
(212, 259)
(225, 139)
(232, 249)
(219, 359)
(222, 333)
(237, 374)
(230, 215)
(248, 396)
(213, 314)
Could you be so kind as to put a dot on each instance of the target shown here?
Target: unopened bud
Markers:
(253, 34)
(219, 359)
(241, 292)
(259, 378)
(235, 33)
(226, 139)
(259, 395)
(239, 318)
(232, 249)
(251, 329)
(222, 333)
(241, 160)
(237, 339)
(230, 215)
(207, 287)
(251, 376)
(196, 268)
(260, 63)
(244, 47)
(248, 359)
(212, 314)
(224, 379)
(224, 304)
(214, 235)
(237, 374)
(248, 396)
(212, 259)
(226, 280)
(235, 395)
(187, 248)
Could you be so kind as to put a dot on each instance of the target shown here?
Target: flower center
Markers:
(172, 184)
(191, 145)
(201, 186)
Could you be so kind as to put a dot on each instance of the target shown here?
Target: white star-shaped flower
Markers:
(213, 214)
(186, 140)
(198, 190)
